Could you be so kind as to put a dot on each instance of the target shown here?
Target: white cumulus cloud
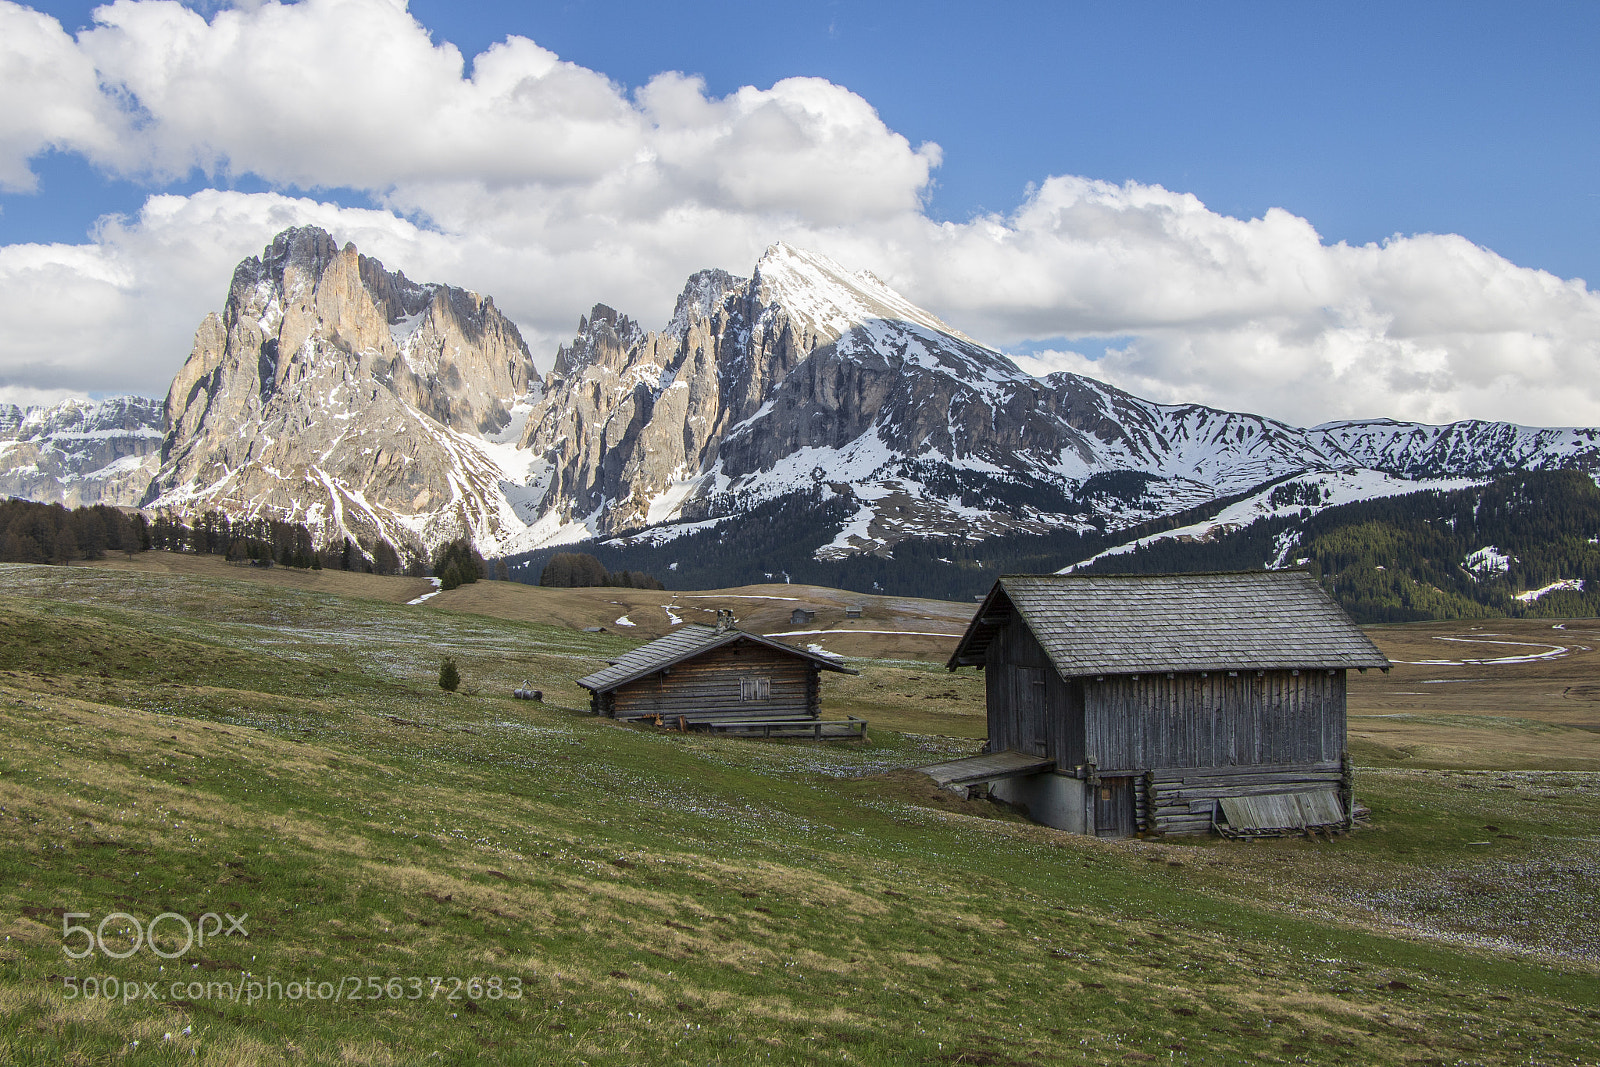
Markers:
(51, 96)
(1262, 314)
(551, 187)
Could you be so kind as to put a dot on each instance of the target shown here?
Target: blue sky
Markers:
(1363, 121)
(1366, 119)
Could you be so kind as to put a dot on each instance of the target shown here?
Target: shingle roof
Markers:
(684, 643)
(1128, 623)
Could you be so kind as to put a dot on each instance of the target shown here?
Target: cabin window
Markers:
(755, 688)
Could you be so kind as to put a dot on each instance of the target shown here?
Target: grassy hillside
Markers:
(888, 628)
(187, 744)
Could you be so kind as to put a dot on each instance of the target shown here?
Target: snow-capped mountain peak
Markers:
(334, 392)
(828, 300)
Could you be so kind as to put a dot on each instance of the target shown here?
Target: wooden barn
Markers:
(1170, 703)
(719, 677)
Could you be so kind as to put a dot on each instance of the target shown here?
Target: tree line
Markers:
(457, 563)
(569, 570)
(263, 541)
(49, 533)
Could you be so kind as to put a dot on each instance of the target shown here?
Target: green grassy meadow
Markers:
(206, 745)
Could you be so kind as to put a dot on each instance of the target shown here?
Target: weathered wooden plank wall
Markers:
(1139, 722)
(709, 687)
(1031, 709)
(1191, 738)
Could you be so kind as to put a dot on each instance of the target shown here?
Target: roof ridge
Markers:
(1164, 574)
(681, 644)
(1131, 624)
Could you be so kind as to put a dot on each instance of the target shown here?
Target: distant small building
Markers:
(801, 617)
(1174, 703)
(853, 611)
(702, 675)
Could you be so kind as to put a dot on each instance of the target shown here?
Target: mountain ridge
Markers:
(1523, 544)
(80, 452)
(334, 392)
(859, 399)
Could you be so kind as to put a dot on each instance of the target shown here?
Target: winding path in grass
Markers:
(1551, 652)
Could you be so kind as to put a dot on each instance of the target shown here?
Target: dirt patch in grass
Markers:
(914, 787)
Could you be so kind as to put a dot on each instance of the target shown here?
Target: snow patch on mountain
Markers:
(1488, 562)
(1560, 585)
(829, 300)
(1332, 488)
(668, 504)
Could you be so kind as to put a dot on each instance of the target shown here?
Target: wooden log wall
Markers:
(1216, 719)
(1182, 800)
(708, 688)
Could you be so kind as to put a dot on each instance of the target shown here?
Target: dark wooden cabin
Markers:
(702, 675)
(1166, 703)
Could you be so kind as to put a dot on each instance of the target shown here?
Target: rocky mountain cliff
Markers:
(332, 392)
(807, 377)
(80, 452)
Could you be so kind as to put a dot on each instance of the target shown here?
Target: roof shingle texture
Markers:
(1123, 624)
(684, 643)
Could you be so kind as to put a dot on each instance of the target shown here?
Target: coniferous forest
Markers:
(49, 533)
(1466, 553)
(1395, 559)
(567, 570)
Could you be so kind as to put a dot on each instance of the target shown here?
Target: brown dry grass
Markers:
(394, 589)
(759, 608)
(1539, 714)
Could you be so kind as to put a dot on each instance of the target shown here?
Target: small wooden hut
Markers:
(703, 676)
(1172, 703)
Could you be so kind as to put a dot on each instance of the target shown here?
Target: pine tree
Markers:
(449, 676)
(458, 556)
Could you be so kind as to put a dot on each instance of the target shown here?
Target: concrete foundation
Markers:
(1053, 799)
